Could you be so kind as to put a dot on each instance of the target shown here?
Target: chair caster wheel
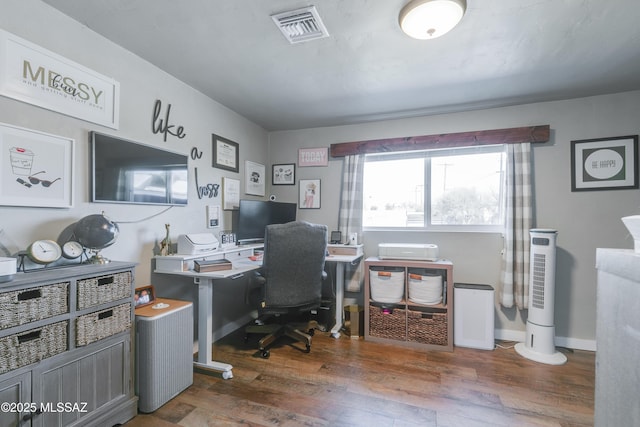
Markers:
(265, 354)
(307, 349)
(311, 331)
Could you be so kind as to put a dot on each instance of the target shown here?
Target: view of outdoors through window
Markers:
(461, 187)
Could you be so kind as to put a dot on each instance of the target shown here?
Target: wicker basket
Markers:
(32, 346)
(98, 290)
(102, 324)
(427, 328)
(29, 305)
(387, 284)
(388, 322)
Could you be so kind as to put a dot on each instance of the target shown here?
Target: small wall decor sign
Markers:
(40, 77)
(313, 157)
(604, 163)
(309, 194)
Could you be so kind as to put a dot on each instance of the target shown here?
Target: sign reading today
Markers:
(32, 74)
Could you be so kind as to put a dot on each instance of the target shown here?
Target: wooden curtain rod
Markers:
(533, 134)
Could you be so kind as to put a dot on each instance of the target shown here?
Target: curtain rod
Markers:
(533, 134)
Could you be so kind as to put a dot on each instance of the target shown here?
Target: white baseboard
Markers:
(567, 342)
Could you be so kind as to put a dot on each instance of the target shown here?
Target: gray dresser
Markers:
(66, 356)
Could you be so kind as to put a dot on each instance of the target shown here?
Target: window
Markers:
(459, 189)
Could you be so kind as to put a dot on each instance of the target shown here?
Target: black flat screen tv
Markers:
(250, 220)
(124, 171)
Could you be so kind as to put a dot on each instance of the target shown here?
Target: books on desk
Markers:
(207, 266)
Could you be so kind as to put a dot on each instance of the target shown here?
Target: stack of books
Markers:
(207, 266)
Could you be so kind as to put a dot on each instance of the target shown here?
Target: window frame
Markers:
(427, 155)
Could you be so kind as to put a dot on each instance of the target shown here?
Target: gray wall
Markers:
(584, 220)
(141, 84)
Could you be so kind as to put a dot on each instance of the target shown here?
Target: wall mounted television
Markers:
(124, 171)
(250, 220)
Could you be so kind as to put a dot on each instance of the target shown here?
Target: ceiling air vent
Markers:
(301, 25)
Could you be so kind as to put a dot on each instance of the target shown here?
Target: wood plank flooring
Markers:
(345, 382)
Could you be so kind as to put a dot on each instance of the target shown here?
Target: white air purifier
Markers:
(539, 344)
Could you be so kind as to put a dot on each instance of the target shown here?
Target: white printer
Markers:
(194, 244)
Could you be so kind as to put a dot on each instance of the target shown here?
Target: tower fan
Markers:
(539, 344)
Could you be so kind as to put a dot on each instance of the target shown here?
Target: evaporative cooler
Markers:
(539, 344)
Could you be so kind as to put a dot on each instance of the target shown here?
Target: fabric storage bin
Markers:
(32, 346)
(427, 327)
(102, 324)
(424, 286)
(388, 322)
(387, 284)
(98, 290)
(29, 305)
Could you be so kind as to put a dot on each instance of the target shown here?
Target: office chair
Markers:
(291, 280)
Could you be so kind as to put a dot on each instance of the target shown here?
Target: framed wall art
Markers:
(604, 163)
(254, 178)
(37, 168)
(230, 193)
(283, 174)
(309, 194)
(226, 154)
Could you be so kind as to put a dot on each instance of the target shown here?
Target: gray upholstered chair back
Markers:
(293, 264)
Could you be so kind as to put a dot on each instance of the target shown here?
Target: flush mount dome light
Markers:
(428, 19)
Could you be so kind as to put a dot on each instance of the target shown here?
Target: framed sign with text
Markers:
(40, 77)
(313, 157)
(604, 163)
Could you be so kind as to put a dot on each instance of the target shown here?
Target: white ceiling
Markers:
(504, 52)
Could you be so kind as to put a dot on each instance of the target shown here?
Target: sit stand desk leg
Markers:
(205, 330)
(335, 331)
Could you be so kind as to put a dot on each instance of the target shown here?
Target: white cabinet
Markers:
(65, 346)
(617, 338)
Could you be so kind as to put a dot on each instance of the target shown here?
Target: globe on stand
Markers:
(96, 232)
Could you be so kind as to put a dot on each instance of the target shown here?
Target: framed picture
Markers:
(309, 194)
(226, 154)
(313, 157)
(604, 163)
(144, 295)
(284, 174)
(37, 168)
(230, 193)
(254, 178)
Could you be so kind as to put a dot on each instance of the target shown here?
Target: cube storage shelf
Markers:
(391, 316)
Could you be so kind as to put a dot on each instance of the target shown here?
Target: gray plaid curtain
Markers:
(514, 277)
(350, 217)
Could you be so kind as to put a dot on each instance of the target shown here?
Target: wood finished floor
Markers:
(347, 382)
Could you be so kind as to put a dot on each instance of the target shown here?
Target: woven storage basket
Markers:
(98, 290)
(32, 346)
(427, 328)
(387, 284)
(388, 322)
(29, 305)
(102, 324)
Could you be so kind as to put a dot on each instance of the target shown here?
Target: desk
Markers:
(341, 261)
(241, 265)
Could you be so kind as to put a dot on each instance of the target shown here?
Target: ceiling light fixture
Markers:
(428, 19)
